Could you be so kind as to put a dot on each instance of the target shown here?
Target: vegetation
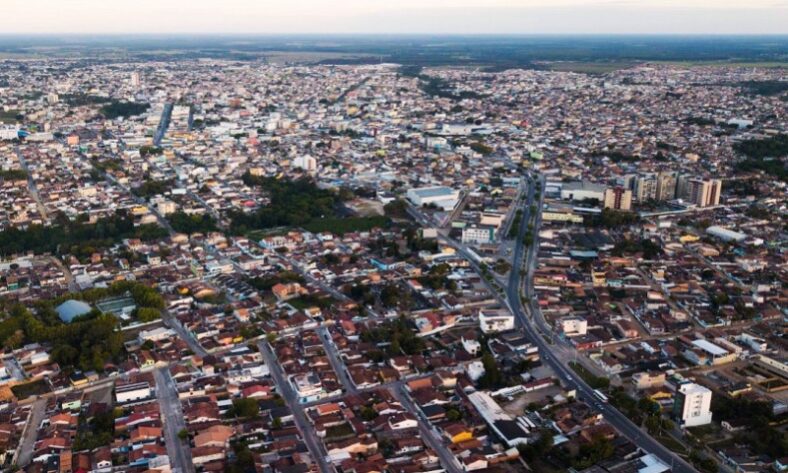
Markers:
(760, 435)
(246, 408)
(87, 343)
(398, 335)
(594, 381)
(340, 226)
(765, 87)
(10, 116)
(481, 148)
(77, 100)
(33, 388)
(13, 175)
(76, 237)
(192, 223)
(150, 151)
(492, 377)
(151, 188)
(116, 109)
(764, 155)
(648, 248)
(265, 283)
(396, 209)
(610, 218)
(293, 203)
(437, 278)
(96, 432)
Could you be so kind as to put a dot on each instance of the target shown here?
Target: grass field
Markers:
(589, 67)
(23, 391)
(764, 64)
(8, 116)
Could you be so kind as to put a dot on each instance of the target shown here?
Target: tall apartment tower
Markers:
(135, 80)
(692, 405)
(618, 198)
(666, 186)
(646, 188)
(704, 193)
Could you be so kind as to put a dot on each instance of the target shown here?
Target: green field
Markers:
(8, 116)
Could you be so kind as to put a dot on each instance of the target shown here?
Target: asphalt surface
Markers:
(612, 415)
(291, 399)
(170, 405)
(37, 411)
(429, 434)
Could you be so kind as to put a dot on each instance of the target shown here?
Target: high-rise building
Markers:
(646, 188)
(666, 186)
(692, 405)
(307, 163)
(618, 198)
(704, 193)
(135, 80)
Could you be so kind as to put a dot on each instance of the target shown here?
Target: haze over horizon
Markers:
(404, 17)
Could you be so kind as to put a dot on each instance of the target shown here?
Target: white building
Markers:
(307, 163)
(583, 190)
(442, 196)
(475, 370)
(132, 392)
(692, 405)
(478, 235)
(495, 321)
(725, 234)
(572, 326)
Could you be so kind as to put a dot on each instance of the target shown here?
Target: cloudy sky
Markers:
(395, 16)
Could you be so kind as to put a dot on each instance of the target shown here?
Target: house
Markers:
(458, 433)
(214, 436)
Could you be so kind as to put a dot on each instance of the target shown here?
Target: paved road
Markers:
(291, 399)
(428, 433)
(167, 393)
(569, 378)
(164, 123)
(175, 324)
(25, 450)
(31, 184)
(337, 363)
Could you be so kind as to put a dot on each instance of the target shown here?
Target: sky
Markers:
(395, 16)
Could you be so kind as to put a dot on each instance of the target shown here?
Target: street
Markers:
(612, 415)
(25, 450)
(290, 397)
(172, 416)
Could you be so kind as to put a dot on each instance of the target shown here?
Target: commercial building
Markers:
(572, 326)
(495, 321)
(725, 234)
(126, 393)
(441, 196)
(512, 431)
(582, 190)
(478, 235)
(692, 405)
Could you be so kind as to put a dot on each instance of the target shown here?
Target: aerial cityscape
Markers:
(398, 253)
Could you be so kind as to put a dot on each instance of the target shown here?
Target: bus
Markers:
(599, 395)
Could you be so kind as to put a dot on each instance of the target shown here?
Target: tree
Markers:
(148, 314)
(246, 408)
(368, 413)
(183, 434)
(276, 423)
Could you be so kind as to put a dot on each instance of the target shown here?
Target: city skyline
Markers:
(407, 17)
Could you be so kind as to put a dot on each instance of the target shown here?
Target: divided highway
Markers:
(612, 415)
